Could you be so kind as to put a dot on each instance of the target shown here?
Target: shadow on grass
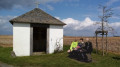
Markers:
(116, 58)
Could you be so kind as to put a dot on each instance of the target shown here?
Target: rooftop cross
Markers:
(37, 4)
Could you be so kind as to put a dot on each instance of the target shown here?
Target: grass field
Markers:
(57, 60)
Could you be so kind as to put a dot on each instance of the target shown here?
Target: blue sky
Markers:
(79, 15)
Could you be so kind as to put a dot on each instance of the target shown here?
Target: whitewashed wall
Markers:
(21, 39)
(55, 38)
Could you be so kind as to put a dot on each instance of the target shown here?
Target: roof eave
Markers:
(11, 21)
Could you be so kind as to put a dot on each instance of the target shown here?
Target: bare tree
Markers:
(106, 14)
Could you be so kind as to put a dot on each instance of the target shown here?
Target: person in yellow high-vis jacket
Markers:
(74, 44)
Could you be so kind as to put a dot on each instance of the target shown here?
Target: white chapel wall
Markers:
(55, 38)
(21, 39)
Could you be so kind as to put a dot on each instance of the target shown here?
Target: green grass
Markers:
(58, 60)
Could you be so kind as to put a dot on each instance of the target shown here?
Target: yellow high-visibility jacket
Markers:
(73, 45)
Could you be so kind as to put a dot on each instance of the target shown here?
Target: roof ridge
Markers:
(37, 16)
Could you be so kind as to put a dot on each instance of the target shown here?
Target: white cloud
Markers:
(110, 2)
(70, 22)
(4, 23)
(85, 27)
(73, 27)
(72, 3)
(57, 17)
(18, 7)
(116, 8)
(50, 7)
(73, 0)
(84, 24)
(48, 1)
(115, 25)
(115, 17)
(4, 19)
(78, 25)
(23, 4)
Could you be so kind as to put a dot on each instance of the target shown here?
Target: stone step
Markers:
(38, 53)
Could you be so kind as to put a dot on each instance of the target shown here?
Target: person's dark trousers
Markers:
(83, 57)
(88, 48)
(70, 54)
(79, 56)
(76, 54)
(73, 54)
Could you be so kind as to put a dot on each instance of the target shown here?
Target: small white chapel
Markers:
(36, 31)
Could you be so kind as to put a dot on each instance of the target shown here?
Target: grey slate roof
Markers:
(37, 16)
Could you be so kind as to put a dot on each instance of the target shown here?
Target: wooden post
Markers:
(96, 45)
(103, 43)
(106, 44)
